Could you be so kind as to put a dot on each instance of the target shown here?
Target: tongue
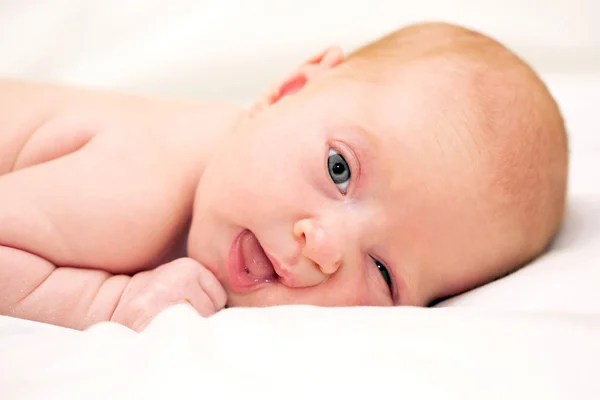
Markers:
(257, 264)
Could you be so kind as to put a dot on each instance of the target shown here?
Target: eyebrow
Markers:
(367, 140)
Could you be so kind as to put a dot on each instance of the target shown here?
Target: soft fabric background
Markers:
(232, 49)
(533, 334)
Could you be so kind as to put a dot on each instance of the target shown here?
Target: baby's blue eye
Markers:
(384, 272)
(339, 171)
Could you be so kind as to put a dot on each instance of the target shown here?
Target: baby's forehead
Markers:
(414, 110)
(419, 135)
(393, 112)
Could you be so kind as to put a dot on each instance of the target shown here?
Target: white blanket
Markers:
(534, 334)
(306, 352)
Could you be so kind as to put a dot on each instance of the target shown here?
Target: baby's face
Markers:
(345, 193)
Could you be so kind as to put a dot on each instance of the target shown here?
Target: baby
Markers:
(423, 165)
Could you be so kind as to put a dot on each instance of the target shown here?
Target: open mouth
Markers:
(248, 264)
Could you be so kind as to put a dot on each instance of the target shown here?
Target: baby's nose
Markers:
(318, 245)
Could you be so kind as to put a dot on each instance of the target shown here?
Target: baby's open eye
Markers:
(339, 171)
(384, 272)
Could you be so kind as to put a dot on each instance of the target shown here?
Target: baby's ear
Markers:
(312, 69)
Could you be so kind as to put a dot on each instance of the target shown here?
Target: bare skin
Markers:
(97, 187)
(434, 169)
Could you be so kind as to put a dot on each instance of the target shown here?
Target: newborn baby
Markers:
(423, 165)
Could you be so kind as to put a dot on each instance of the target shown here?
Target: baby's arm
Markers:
(39, 123)
(32, 288)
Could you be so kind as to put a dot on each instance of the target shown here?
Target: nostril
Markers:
(299, 231)
(302, 239)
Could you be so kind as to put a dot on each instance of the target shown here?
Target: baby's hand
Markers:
(180, 281)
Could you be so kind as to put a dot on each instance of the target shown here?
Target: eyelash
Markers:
(385, 272)
(350, 158)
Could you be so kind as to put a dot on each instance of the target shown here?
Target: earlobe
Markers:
(311, 70)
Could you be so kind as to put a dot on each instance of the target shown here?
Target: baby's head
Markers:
(433, 161)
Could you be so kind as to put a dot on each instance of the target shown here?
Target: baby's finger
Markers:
(212, 287)
(135, 314)
(201, 302)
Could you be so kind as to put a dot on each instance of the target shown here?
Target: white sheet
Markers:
(305, 352)
(533, 334)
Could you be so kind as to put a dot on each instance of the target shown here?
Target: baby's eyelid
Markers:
(350, 156)
(391, 286)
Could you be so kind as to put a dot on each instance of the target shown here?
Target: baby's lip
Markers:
(285, 277)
